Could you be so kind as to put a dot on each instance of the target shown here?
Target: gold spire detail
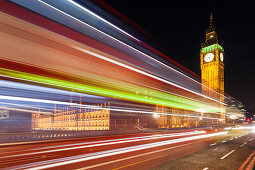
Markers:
(211, 35)
(211, 27)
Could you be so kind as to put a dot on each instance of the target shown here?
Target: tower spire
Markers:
(211, 26)
(211, 18)
(211, 35)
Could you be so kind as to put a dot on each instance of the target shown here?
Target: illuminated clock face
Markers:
(221, 57)
(209, 57)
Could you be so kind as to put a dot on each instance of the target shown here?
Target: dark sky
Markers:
(180, 29)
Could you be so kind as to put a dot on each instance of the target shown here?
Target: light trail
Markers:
(24, 110)
(88, 143)
(85, 157)
(138, 52)
(29, 87)
(77, 72)
(109, 142)
(25, 106)
(102, 19)
(168, 92)
(35, 100)
(108, 92)
(62, 92)
(45, 89)
(88, 106)
(174, 105)
(135, 156)
(143, 72)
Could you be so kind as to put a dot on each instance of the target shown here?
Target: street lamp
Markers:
(155, 115)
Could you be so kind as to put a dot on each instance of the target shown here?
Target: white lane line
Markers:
(227, 154)
(205, 168)
(250, 139)
(243, 144)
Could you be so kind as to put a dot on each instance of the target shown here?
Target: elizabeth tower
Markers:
(212, 66)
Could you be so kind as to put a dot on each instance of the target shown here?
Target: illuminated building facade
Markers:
(72, 118)
(212, 66)
(176, 118)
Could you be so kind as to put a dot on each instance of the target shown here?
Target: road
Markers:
(237, 153)
(179, 150)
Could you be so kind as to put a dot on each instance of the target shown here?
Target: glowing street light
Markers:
(156, 115)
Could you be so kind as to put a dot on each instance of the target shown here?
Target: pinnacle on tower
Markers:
(211, 35)
(211, 26)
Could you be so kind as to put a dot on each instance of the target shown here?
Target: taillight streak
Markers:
(112, 152)
(108, 142)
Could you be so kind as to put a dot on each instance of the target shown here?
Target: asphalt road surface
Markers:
(200, 149)
(234, 153)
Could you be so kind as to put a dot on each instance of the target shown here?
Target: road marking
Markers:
(205, 168)
(227, 154)
(131, 157)
(250, 139)
(243, 144)
(251, 164)
(140, 162)
(246, 161)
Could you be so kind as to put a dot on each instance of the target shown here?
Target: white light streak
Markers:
(102, 19)
(86, 106)
(141, 72)
(135, 156)
(110, 142)
(24, 110)
(85, 157)
(138, 52)
(35, 100)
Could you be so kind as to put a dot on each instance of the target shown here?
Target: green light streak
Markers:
(118, 90)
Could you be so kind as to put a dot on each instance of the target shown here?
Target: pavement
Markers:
(191, 149)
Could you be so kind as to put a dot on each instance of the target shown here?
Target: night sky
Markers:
(180, 29)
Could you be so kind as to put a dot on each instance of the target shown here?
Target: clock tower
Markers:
(212, 65)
